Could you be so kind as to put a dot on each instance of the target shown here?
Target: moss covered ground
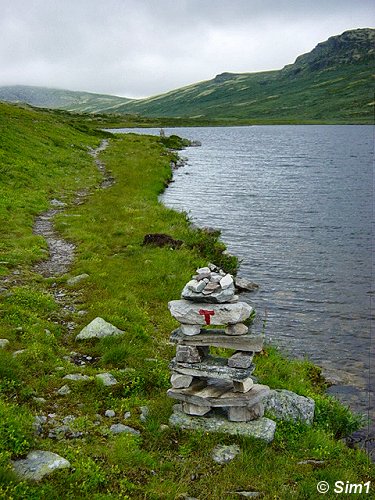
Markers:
(43, 157)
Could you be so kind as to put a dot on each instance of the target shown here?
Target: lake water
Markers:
(295, 203)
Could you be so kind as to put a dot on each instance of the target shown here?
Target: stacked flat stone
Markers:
(211, 315)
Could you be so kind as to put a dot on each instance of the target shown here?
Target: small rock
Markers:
(77, 279)
(127, 415)
(145, 412)
(248, 494)
(17, 353)
(38, 464)
(39, 400)
(222, 454)
(110, 413)
(203, 270)
(196, 286)
(226, 281)
(57, 203)
(163, 427)
(190, 329)
(68, 419)
(107, 379)
(237, 329)
(4, 343)
(97, 329)
(76, 377)
(312, 462)
(120, 428)
(245, 285)
(64, 390)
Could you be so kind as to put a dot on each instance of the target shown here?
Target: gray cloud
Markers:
(143, 47)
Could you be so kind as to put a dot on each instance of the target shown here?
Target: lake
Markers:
(295, 204)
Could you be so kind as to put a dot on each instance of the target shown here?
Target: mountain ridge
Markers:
(332, 82)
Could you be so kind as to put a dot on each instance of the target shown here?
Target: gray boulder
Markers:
(38, 464)
(97, 329)
(287, 405)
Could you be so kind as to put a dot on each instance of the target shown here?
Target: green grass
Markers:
(129, 285)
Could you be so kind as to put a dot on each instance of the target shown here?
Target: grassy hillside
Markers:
(331, 84)
(128, 284)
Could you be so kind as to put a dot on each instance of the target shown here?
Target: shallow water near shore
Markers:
(295, 203)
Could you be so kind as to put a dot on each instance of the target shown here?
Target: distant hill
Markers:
(331, 84)
(70, 100)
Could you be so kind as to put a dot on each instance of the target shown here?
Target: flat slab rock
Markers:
(38, 464)
(219, 395)
(212, 367)
(97, 329)
(190, 313)
(263, 428)
(218, 338)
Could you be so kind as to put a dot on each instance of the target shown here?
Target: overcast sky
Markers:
(138, 48)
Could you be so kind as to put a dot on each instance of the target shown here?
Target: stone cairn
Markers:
(208, 385)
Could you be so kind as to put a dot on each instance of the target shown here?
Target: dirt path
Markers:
(61, 252)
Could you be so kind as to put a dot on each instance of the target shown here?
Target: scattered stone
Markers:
(121, 428)
(107, 379)
(287, 405)
(39, 420)
(312, 462)
(127, 415)
(248, 494)
(163, 427)
(17, 353)
(237, 329)
(68, 419)
(57, 203)
(110, 413)
(77, 377)
(145, 412)
(39, 464)
(39, 400)
(4, 343)
(64, 390)
(77, 279)
(263, 428)
(97, 329)
(245, 285)
(223, 454)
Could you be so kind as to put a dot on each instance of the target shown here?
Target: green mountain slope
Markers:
(330, 84)
(70, 100)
